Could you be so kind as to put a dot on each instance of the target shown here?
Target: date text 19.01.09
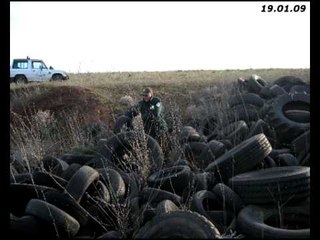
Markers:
(283, 8)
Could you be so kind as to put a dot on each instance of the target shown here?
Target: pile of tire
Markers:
(249, 178)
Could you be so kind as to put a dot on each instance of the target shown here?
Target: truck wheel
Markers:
(21, 80)
(57, 77)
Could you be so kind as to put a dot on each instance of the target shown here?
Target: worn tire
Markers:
(252, 221)
(228, 197)
(241, 158)
(287, 82)
(287, 129)
(66, 203)
(156, 195)
(174, 179)
(272, 185)
(166, 206)
(54, 217)
(178, 224)
(114, 182)
(80, 182)
(300, 146)
(116, 145)
(246, 98)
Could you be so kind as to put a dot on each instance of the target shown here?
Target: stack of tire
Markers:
(249, 178)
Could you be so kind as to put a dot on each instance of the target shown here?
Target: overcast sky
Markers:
(160, 36)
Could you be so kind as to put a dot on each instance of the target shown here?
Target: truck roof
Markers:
(33, 59)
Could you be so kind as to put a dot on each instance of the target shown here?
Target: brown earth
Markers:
(60, 100)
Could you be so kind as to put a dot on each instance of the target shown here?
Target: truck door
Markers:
(37, 70)
(41, 70)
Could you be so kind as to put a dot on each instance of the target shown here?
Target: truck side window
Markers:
(36, 65)
(20, 64)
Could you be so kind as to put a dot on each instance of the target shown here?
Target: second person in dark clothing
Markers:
(152, 114)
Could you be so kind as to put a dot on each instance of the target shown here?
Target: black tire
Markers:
(123, 124)
(20, 195)
(305, 89)
(57, 77)
(204, 201)
(114, 147)
(255, 83)
(275, 152)
(70, 171)
(54, 165)
(81, 159)
(188, 134)
(298, 115)
(300, 146)
(20, 165)
(306, 160)
(148, 212)
(261, 126)
(80, 182)
(286, 128)
(55, 218)
(66, 203)
(20, 79)
(98, 192)
(213, 150)
(245, 112)
(114, 182)
(208, 125)
(176, 179)
(287, 82)
(181, 162)
(178, 224)
(241, 158)
(227, 143)
(193, 152)
(276, 91)
(246, 98)
(271, 185)
(228, 197)
(269, 162)
(203, 181)
(166, 206)
(21, 178)
(265, 93)
(286, 159)
(253, 221)
(100, 161)
(132, 186)
(236, 132)
(27, 227)
(110, 235)
(224, 220)
(156, 195)
(49, 180)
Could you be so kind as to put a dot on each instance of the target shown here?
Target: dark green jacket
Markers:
(152, 114)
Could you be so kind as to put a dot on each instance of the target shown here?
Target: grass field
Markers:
(49, 118)
(96, 96)
(177, 85)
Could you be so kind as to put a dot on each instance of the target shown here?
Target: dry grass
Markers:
(174, 85)
(44, 122)
(101, 97)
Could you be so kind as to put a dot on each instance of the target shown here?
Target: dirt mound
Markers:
(61, 101)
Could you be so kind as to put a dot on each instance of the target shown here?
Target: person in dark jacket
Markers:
(152, 113)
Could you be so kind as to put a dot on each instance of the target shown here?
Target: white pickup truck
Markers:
(25, 70)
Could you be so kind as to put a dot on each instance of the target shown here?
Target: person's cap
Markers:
(146, 91)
